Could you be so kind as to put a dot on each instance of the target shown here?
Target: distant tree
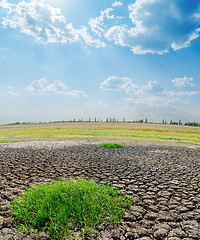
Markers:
(146, 120)
(173, 123)
(194, 124)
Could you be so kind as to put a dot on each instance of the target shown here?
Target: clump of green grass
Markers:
(112, 145)
(62, 207)
(7, 141)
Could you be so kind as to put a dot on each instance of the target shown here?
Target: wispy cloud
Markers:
(10, 90)
(183, 82)
(43, 87)
(150, 94)
(152, 88)
(89, 40)
(184, 93)
(5, 4)
(97, 24)
(117, 4)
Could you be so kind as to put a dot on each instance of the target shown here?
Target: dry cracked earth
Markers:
(164, 182)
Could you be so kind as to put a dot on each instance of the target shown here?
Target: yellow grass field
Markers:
(144, 132)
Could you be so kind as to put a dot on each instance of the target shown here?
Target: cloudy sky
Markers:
(133, 59)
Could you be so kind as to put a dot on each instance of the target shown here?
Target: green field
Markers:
(144, 132)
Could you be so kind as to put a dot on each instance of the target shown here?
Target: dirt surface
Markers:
(164, 182)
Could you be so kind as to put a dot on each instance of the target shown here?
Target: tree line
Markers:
(195, 124)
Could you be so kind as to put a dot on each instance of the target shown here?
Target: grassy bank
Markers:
(121, 131)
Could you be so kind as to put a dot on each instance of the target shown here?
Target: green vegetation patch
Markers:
(63, 207)
(112, 145)
(7, 141)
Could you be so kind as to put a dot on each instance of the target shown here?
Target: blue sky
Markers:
(66, 59)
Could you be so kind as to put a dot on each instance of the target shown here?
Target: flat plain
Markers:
(144, 132)
(159, 169)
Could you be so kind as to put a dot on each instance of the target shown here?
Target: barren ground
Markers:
(163, 180)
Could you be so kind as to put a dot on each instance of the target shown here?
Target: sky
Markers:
(132, 59)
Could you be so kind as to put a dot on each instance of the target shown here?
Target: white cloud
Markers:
(5, 4)
(157, 26)
(42, 87)
(83, 32)
(41, 21)
(152, 94)
(153, 88)
(183, 82)
(46, 23)
(153, 26)
(115, 83)
(117, 4)
(117, 34)
(97, 24)
(75, 93)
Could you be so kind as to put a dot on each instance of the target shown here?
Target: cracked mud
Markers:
(164, 182)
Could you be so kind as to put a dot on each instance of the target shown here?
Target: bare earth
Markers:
(163, 180)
